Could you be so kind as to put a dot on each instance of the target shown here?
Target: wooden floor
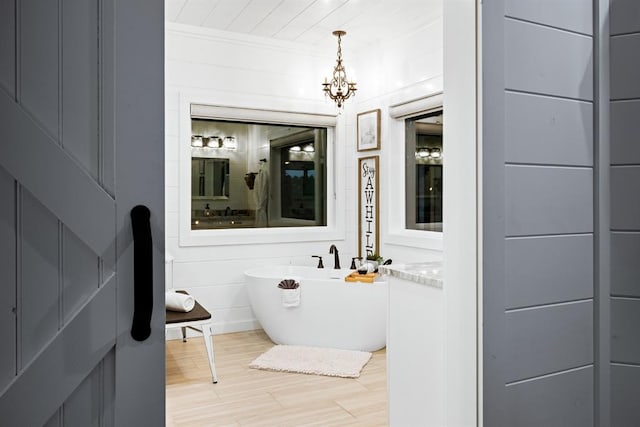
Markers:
(252, 397)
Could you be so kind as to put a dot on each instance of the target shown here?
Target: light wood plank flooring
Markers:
(252, 397)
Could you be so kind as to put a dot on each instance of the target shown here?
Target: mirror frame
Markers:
(197, 105)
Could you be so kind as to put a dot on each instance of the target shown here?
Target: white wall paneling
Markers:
(400, 82)
(460, 211)
(249, 74)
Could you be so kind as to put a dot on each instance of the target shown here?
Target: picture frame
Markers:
(368, 124)
(368, 206)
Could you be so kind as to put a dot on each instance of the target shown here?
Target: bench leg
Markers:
(208, 342)
(184, 334)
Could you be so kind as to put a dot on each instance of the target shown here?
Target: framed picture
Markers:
(369, 130)
(368, 221)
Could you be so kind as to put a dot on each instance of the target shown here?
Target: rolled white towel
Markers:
(175, 301)
(290, 297)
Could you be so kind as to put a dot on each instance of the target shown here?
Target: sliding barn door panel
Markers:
(625, 340)
(574, 15)
(548, 200)
(625, 128)
(80, 66)
(625, 67)
(625, 212)
(566, 329)
(625, 389)
(548, 270)
(625, 198)
(39, 79)
(625, 17)
(546, 61)
(547, 130)
(7, 279)
(56, 179)
(89, 405)
(625, 268)
(81, 273)
(539, 145)
(553, 401)
(7, 47)
(85, 406)
(67, 69)
(39, 287)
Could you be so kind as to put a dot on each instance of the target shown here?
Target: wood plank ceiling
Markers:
(310, 22)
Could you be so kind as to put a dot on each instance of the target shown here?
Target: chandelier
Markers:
(339, 89)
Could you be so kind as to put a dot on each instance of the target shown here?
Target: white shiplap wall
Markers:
(252, 72)
(390, 73)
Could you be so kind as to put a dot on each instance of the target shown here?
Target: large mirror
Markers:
(209, 178)
(257, 175)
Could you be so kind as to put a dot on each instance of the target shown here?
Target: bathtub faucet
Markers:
(336, 260)
(320, 264)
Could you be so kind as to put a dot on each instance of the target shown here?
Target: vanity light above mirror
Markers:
(226, 142)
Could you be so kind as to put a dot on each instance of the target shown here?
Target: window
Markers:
(424, 163)
(254, 175)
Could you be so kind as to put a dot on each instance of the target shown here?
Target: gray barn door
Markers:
(539, 303)
(81, 143)
(625, 212)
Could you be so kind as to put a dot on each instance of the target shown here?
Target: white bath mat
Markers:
(312, 360)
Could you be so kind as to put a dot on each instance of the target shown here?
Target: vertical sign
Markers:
(368, 221)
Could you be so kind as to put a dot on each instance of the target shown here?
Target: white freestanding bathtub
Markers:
(332, 312)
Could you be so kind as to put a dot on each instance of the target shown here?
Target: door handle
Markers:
(142, 273)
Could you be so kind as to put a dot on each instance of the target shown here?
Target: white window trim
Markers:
(397, 233)
(206, 107)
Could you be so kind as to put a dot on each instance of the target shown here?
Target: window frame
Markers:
(194, 106)
(411, 178)
(395, 159)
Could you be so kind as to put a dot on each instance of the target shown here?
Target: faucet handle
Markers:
(320, 264)
(353, 262)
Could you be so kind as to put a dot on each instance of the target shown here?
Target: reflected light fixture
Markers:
(429, 153)
(229, 143)
(309, 148)
(213, 142)
(196, 140)
(295, 149)
(339, 89)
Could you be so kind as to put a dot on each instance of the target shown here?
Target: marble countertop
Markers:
(424, 273)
